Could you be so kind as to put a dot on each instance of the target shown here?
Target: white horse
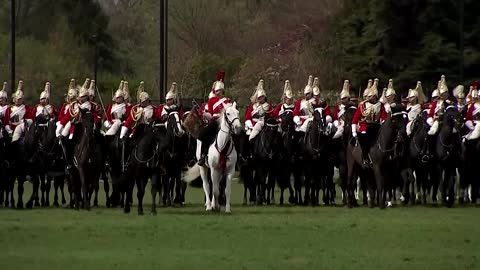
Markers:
(221, 159)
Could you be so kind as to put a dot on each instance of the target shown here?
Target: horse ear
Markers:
(235, 105)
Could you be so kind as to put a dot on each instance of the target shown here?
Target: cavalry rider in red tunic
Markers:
(215, 107)
(45, 110)
(142, 113)
(388, 97)
(367, 120)
(170, 105)
(91, 97)
(17, 115)
(287, 101)
(459, 94)
(73, 114)
(303, 112)
(117, 112)
(438, 107)
(416, 99)
(256, 113)
(72, 95)
(472, 117)
(3, 107)
(340, 109)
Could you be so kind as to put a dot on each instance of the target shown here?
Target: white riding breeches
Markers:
(20, 129)
(409, 128)
(474, 133)
(256, 129)
(303, 127)
(114, 128)
(66, 129)
(434, 128)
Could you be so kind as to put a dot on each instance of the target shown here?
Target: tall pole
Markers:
(165, 46)
(461, 43)
(95, 58)
(161, 49)
(12, 52)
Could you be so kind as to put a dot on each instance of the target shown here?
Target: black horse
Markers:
(143, 160)
(388, 146)
(447, 152)
(6, 186)
(116, 156)
(83, 173)
(288, 159)
(420, 157)
(314, 151)
(265, 149)
(338, 148)
(172, 149)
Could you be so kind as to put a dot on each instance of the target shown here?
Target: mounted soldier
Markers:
(73, 113)
(45, 110)
(472, 117)
(17, 115)
(320, 102)
(72, 95)
(215, 107)
(340, 109)
(287, 103)
(369, 116)
(97, 107)
(170, 105)
(459, 94)
(3, 107)
(142, 113)
(439, 106)
(303, 112)
(256, 113)
(416, 99)
(388, 97)
(117, 112)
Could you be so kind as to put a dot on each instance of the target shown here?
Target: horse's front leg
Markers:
(206, 188)
(380, 181)
(216, 178)
(140, 193)
(84, 187)
(228, 189)
(154, 192)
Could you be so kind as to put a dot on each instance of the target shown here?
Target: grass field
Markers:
(268, 237)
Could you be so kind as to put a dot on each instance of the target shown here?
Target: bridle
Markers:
(398, 137)
(228, 132)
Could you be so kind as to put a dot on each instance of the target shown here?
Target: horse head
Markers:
(398, 121)
(286, 121)
(452, 118)
(174, 125)
(231, 118)
(319, 119)
(87, 121)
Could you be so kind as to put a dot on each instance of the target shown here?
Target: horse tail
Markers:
(192, 174)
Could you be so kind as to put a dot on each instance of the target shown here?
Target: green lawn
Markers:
(268, 237)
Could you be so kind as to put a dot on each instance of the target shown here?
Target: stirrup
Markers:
(425, 158)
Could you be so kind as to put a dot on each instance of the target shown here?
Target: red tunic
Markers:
(252, 114)
(130, 122)
(53, 114)
(469, 116)
(359, 120)
(433, 106)
(68, 115)
(215, 105)
(298, 111)
(8, 112)
(108, 115)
